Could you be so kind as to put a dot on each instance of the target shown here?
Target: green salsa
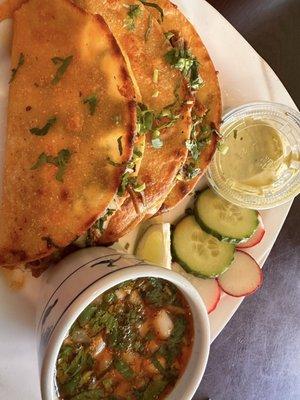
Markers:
(132, 342)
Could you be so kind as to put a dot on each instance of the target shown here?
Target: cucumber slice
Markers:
(224, 220)
(198, 252)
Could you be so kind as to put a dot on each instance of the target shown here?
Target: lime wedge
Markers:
(155, 245)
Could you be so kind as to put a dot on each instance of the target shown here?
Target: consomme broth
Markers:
(133, 343)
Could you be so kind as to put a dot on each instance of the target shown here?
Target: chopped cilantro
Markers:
(15, 70)
(81, 361)
(113, 163)
(137, 153)
(99, 224)
(45, 129)
(124, 368)
(169, 35)
(148, 29)
(50, 242)
(103, 319)
(145, 119)
(64, 63)
(139, 188)
(87, 314)
(120, 146)
(93, 394)
(149, 122)
(154, 389)
(157, 143)
(184, 61)
(190, 171)
(156, 6)
(92, 102)
(60, 161)
(157, 365)
(195, 146)
(129, 180)
(133, 13)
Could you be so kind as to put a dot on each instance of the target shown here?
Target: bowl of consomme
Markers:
(116, 328)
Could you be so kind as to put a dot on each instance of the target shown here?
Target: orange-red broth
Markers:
(133, 342)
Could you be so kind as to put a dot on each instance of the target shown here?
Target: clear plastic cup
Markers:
(287, 185)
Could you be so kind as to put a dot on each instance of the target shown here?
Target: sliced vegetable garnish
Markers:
(243, 277)
(198, 252)
(223, 219)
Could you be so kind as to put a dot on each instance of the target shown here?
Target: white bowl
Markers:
(82, 276)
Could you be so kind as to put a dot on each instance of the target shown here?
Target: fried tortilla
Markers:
(71, 104)
(141, 38)
(8, 7)
(207, 111)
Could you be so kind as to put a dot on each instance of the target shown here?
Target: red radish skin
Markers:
(256, 237)
(243, 277)
(211, 308)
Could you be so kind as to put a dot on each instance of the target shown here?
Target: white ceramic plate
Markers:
(244, 78)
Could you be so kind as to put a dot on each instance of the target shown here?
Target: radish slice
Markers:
(256, 237)
(243, 277)
(208, 289)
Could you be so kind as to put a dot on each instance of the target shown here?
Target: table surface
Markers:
(257, 354)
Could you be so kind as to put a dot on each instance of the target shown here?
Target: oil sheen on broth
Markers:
(132, 342)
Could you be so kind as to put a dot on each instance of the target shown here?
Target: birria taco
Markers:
(71, 110)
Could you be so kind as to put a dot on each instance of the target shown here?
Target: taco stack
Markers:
(113, 116)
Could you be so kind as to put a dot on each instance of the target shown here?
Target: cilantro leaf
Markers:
(50, 242)
(124, 368)
(148, 29)
(64, 64)
(45, 129)
(120, 145)
(99, 224)
(60, 161)
(92, 102)
(80, 362)
(87, 314)
(156, 6)
(145, 119)
(190, 171)
(15, 70)
(185, 62)
(133, 13)
(94, 394)
(154, 389)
